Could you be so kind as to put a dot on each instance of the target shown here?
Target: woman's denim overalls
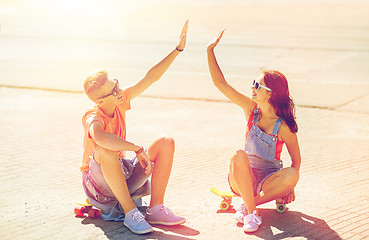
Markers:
(260, 149)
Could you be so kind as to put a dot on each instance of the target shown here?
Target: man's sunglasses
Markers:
(257, 85)
(114, 92)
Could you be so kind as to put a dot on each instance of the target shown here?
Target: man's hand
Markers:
(144, 161)
(182, 42)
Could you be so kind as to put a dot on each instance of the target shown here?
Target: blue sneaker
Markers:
(135, 222)
(163, 215)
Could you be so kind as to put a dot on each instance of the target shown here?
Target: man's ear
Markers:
(99, 101)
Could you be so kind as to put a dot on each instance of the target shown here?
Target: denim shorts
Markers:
(260, 175)
(262, 170)
(99, 192)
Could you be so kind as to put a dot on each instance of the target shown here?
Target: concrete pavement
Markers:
(41, 151)
(321, 46)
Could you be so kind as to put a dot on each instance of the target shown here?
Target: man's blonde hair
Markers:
(94, 81)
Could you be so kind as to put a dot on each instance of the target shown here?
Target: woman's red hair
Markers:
(280, 97)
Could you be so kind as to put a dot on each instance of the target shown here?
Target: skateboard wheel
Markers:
(224, 205)
(281, 208)
(78, 212)
(93, 213)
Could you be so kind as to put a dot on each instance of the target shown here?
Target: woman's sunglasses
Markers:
(114, 92)
(257, 85)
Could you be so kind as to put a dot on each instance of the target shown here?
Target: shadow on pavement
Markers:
(230, 210)
(292, 224)
(115, 230)
(180, 230)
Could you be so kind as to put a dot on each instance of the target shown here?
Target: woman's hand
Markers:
(182, 42)
(144, 161)
(215, 42)
(290, 197)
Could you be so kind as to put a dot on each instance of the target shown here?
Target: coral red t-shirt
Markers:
(115, 125)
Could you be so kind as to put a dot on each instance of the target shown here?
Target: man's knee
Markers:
(102, 155)
(167, 141)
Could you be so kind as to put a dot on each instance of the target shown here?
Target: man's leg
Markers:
(114, 176)
(161, 151)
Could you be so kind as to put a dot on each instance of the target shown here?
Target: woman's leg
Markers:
(278, 185)
(161, 151)
(241, 179)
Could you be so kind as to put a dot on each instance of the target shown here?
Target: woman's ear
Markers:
(269, 94)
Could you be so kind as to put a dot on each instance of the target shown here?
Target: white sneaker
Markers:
(240, 214)
(252, 222)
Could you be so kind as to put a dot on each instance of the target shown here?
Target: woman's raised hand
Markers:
(182, 42)
(213, 43)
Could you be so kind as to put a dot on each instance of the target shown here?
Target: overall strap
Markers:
(277, 126)
(256, 115)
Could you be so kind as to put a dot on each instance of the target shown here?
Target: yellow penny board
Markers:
(86, 209)
(228, 195)
(222, 193)
(84, 202)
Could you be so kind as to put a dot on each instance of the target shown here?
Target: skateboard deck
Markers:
(227, 198)
(86, 210)
(228, 195)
